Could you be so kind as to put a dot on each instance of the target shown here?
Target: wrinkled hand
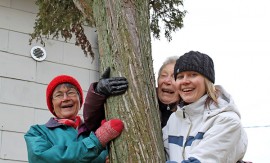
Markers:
(111, 86)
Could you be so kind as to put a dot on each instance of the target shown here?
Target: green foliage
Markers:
(66, 17)
(60, 17)
(167, 11)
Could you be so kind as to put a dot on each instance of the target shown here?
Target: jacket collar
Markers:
(166, 107)
(52, 123)
(195, 108)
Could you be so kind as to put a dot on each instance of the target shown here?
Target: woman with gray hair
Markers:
(62, 138)
(168, 97)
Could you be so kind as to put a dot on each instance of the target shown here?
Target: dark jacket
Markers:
(165, 110)
(93, 109)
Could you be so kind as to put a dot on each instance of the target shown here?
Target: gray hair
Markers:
(168, 61)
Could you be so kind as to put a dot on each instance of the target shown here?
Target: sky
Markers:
(236, 35)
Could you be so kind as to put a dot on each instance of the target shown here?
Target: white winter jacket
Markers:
(206, 135)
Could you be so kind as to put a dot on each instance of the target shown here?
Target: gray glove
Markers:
(111, 86)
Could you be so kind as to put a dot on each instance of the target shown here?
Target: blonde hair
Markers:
(212, 93)
(169, 60)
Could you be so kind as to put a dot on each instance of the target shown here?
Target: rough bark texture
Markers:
(125, 45)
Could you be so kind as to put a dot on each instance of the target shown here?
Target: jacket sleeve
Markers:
(224, 141)
(165, 141)
(42, 150)
(93, 109)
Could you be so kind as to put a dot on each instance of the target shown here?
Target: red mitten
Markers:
(109, 130)
(103, 121)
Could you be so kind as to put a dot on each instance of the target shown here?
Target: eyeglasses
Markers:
(61, 95)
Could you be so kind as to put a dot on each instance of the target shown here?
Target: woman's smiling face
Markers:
(166, 85)
(190, 86)
(66, 101)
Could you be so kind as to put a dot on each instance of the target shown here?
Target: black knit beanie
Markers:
(195, 61)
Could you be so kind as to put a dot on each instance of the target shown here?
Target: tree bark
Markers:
(125, 46)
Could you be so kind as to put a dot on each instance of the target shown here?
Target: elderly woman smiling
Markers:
(59, 140)
(168, 97)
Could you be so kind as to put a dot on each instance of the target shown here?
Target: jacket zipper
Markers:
(184, 147)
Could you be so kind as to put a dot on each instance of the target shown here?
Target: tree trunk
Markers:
(125, 46)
